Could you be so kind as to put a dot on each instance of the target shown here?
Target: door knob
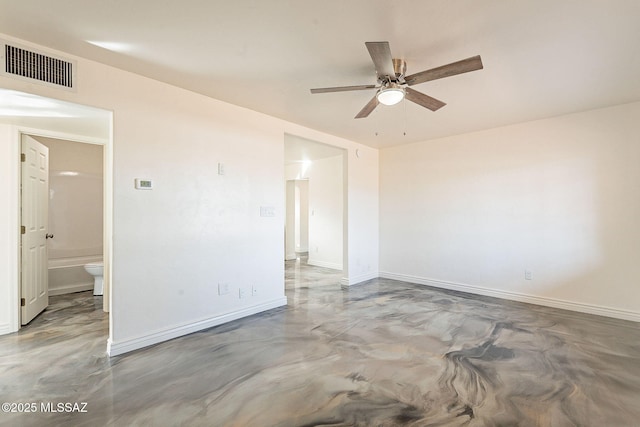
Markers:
(48, 236)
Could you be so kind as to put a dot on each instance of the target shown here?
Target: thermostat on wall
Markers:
(144, 184)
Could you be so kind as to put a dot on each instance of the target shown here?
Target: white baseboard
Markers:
(117, 348)
(516, 296)
(7, 329)
(350, 281)
(71, 289)
(331, 265)
(290, 257)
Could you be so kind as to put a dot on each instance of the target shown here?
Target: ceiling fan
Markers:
(393, 85)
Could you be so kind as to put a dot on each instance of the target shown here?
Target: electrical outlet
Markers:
(527, 275)
(254, 290)
(240, 293)
(223, 288)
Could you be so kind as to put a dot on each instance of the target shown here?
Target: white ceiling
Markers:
(541, 57)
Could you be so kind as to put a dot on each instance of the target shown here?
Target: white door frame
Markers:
(15, 218)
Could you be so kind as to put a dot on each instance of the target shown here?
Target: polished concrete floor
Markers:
(384, 353)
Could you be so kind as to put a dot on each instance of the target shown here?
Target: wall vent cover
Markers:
(34, 66)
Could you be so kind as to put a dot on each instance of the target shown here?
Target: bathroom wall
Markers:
(75, 198)
(75, 213)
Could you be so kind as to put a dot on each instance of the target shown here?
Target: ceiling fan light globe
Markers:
(390, 96)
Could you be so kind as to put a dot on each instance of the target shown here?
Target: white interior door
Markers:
(35, 206)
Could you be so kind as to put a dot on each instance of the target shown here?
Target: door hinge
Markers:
(23, 229)
(23, 157)
(22, 302)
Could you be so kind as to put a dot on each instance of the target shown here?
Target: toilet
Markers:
(96, 269)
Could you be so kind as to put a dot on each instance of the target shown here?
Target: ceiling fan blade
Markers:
(463, 66)
(342, 88)
(423, 100)
(371, 105)
(381, 55)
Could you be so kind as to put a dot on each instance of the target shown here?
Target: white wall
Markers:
(326, 209)
(290, 221)
(326, 213)
(297, 220)
(9, 212)
(75, 202)
(302, 215)
(172, 245)
(559, 197)
(75, 213)
(363, 212)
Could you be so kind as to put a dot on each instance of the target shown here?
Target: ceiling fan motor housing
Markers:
(399, 67)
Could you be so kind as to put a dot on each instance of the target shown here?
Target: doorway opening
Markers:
(71, 215)
(297, 196)
(25, 116)
(315, 182)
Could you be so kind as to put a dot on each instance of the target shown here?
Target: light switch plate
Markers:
(144, 184)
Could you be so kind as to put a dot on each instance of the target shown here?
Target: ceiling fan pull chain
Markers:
(404, 107)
